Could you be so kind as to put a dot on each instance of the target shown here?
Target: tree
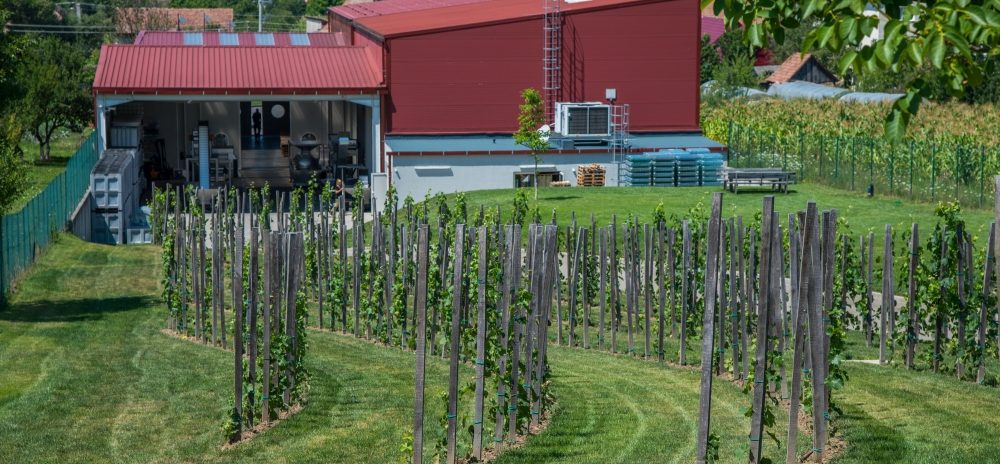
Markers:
(733, 74)
(709, 58)
(319, 7)
(529, 121)
(13, 175)
(951, 36)
(54, 79)
(12, 172)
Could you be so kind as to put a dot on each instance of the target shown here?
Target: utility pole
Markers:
(260, 15)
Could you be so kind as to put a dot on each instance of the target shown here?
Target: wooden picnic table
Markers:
(775, 178)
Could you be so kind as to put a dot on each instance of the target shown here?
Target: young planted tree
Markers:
(530, 119)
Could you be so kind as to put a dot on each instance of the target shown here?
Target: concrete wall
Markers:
(416, 175)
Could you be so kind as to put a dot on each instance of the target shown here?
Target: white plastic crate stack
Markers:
(115, 188)
(138, 227)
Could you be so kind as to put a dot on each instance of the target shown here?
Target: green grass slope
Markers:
(86, 376)
(861, 212)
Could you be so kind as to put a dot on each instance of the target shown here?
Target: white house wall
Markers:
(308, 117)
(418, 175)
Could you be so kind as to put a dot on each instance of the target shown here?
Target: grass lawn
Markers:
(40, 173)
(862, 213)
(88, 377)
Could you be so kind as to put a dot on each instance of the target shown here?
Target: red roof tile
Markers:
(791, 66)
(713, 27)
(246, 39)
(384, 7)
(229, 70)
(474, 14)
(133, 20)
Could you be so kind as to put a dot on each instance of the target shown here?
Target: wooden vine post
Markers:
(238, 329)
(803, 289)
(685, 289)
(584, 278)
(763, 323)
(647, 287)
(988, 268)
(613, 284)
(456, 333)
(269, 259)
(912, 323)
(708, 331)
(421, 308)
(996, 251)
(869, 325)
(816, 335)
(477, 422)
(744, 300)
(887, 297)
(661, 290)
(733, 287)
(602, 287)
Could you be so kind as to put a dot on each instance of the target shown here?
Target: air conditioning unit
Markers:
(588, 120)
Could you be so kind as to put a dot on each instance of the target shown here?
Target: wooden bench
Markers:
(776, 178)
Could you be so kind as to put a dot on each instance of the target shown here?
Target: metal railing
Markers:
(918, 169)
(25, 233)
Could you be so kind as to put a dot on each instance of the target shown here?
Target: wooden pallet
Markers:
(590, 175)
(590, 180)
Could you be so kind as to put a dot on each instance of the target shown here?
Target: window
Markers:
(299, 40)
(193, 38)
(264, 40)
(227, 39)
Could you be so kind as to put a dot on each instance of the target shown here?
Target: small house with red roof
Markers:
(801, 67)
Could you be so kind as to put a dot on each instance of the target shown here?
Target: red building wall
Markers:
(469, 80)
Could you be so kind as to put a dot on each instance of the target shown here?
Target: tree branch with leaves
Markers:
(952, 36)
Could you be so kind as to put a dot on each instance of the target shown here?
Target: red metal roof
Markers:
(475, 14)
(246, 39)
(232, 70)
(713, 27)
(384, 7)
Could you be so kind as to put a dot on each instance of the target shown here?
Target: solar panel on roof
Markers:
(299, 40)
(193, 38)
(229, 39)
(264, 39)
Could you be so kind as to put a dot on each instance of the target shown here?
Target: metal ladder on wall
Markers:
(619, 141)
(551, 57)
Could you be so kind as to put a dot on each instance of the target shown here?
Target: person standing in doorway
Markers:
(256, 123)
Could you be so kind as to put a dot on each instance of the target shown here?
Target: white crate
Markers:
(139, 235)
(108, 227)
(114, 179)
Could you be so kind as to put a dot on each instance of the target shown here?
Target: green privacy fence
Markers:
(918, 168)
(25, 233)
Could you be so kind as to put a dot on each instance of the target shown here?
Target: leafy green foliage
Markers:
(54, 81)
(13, 170)
(709, 58)
(530, 118)
(947, 35)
